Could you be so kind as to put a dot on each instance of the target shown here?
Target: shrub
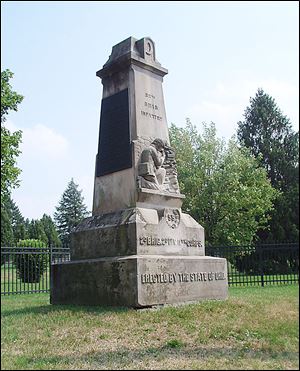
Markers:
(31, 263)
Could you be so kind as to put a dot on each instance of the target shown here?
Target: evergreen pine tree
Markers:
(17, 222)
(7, 235)
(70, 211)
(36, 231)
(50, 230)
(12, 222)
(269, 136)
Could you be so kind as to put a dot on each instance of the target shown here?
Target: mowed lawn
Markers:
(256, 328)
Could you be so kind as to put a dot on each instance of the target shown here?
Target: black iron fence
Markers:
(262, 265)
(26, 270)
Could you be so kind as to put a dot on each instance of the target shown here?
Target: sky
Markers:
(218, 53)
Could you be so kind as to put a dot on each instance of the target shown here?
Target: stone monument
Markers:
(138, 248)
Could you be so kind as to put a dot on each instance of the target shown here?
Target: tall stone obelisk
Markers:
(138, 248)
(132, 116)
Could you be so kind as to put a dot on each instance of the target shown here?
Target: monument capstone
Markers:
(138, 248)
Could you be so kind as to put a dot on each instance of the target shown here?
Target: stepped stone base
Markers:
(137, 231)
(139, 281)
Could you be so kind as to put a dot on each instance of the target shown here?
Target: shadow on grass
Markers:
(51, 308)
(167, 354)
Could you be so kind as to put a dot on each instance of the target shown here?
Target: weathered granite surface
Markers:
(138, 248)
(137, 231)
(133, 74)
(139, 281)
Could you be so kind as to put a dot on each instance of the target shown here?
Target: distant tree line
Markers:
(15, 227)
(69, 212)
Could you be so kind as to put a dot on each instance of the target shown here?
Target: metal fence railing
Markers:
(262, 265)
(26, 270)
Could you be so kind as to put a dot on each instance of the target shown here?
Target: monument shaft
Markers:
(132, 115)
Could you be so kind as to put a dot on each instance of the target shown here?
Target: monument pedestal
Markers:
(139, 280)
(138, 257)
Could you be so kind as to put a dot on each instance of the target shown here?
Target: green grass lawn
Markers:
(254, 329)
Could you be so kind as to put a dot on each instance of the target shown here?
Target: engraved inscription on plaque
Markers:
(114, 149)
(150, 108)
(173, 277)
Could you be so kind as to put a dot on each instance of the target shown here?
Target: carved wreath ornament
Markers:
(172, 217)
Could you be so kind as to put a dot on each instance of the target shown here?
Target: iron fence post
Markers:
(50, 261)
(261, 268)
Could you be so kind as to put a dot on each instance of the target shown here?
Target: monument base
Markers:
(139, 281)
(137, 231)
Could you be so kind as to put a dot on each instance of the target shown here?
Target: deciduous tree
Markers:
(9, 141)
(226, 190)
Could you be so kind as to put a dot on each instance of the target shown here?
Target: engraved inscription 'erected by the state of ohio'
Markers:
(181, 277)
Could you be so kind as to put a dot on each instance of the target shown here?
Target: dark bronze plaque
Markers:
(114, 149)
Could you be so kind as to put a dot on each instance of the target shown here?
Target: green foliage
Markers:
(12, 222)
(7, 235)
(174, 343)
(9, 99)
(17, 221)
(9, 152)
(9, 141)
(31, 266)
(281, 263)
(226, 190)
(44, 230)
(50, 231)
(36, 231)
(269, 136)
(70, 211)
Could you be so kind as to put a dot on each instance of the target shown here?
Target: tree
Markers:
(30, 266)
(50, 230)
(269, 136)
(226, 190)
(70, 211)
(17, 221)
(35, 231)
(12, 222)
(9, 141)
(7, 235)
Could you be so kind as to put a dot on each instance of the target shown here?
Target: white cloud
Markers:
(226, 102)
(45, 171)
(41, 141)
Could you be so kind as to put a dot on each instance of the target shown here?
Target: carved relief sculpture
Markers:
(157, 168)
(152, 174)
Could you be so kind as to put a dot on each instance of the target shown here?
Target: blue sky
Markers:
(218, 53)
